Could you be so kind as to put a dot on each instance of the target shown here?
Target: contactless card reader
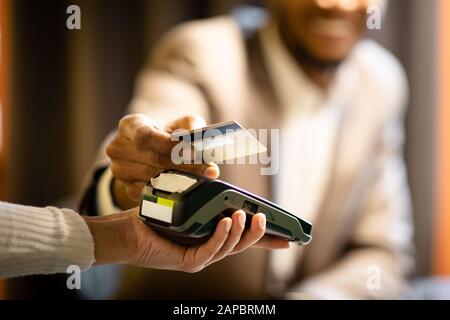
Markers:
(186, 208)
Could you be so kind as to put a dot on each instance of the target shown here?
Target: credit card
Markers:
(221, 142)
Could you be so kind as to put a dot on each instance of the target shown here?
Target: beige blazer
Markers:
(362, 233)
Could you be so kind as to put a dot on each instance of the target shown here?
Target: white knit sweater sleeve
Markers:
(42, 240)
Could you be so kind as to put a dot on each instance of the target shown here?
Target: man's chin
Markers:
(327, 53)
(315, 53)
(327, 62)
(319, 61)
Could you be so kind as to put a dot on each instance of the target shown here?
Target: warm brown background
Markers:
(69, 89)
(442, 222)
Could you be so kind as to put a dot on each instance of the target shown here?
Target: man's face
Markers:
(325, 30)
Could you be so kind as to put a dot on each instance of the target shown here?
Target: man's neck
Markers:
(320, 77)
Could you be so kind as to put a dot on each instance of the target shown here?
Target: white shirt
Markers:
(310, 118)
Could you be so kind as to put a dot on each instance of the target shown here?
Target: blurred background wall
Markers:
(69, 89)
(442, 223)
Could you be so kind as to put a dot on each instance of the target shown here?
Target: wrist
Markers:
(114, 238)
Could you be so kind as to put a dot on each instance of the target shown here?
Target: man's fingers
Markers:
(233, 239)
(121, 149)
(196, 257)
(124, 150)
(209, 170)
(212, 171)
(133, 171)
(145, 134)
(134, 190)
(255, 232)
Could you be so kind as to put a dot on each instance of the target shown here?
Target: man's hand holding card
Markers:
(141, 150)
